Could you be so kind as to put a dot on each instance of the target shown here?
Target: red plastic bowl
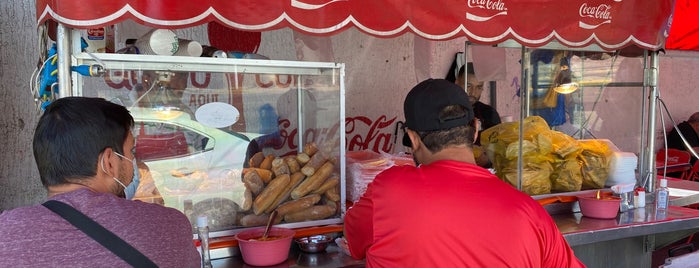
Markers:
(265, 253)
(607, 207)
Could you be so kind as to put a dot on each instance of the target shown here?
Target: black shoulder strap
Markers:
(100, 234)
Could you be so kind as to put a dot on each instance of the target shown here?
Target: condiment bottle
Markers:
(203, 233)
(640, 197)
(662, 195)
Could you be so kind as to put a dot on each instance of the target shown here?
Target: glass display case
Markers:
(230, 138)
(584, 119)
(588, 95)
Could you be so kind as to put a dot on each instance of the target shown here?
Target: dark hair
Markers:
(694, 118)
(71, 134)
(437, 140)
(470, 69)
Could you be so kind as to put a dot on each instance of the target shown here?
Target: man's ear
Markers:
(414, 139)
(105, 161)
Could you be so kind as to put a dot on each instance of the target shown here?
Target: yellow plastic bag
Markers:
(566, 176)
(594, 161)
(558, 143)
(535, 177)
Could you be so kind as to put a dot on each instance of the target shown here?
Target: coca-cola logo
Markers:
(494, 7)
(377, 138)
(595, 15)
(498, 5)
(602, 11)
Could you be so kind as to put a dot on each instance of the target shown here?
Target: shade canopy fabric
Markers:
(610, 24)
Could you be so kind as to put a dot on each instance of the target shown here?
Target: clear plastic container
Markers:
(203, 232)
(662, 196)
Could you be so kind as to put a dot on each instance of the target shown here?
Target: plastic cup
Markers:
(188, 48)
(158, 42)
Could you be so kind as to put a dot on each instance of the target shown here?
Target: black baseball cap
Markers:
(427, 99)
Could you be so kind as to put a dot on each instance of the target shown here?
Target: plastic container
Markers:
(203, 232)
(606, 207)
(640, 197)
(268, 252)
(662, 196)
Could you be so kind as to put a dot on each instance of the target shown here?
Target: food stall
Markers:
(589, 31)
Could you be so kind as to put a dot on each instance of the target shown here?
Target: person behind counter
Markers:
(689, 130)
(83, 148)
(486, 114)
(447, 211)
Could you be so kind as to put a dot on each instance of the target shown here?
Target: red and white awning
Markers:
(611, 24)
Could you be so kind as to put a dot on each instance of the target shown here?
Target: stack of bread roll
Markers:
(301, 187)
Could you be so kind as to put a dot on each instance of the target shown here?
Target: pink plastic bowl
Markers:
(265, 253)
(605, 208)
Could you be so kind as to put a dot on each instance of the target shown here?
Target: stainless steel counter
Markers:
(331, 258)
(580, 230)
(626, 241)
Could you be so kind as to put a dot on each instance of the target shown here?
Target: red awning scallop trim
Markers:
(611, 24)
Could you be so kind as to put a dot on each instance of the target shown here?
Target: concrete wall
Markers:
(19, 46)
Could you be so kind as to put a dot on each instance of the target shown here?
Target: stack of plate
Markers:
(622, 168)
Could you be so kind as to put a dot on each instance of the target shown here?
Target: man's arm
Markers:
(359, 226)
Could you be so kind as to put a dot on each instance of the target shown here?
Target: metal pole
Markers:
(651, 80)
(300, 94)
(63, 37)
(523, 110)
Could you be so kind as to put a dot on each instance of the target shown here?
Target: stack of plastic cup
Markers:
(188, 48)
(158, 42)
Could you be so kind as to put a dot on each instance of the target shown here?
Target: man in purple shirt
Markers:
(83, 148)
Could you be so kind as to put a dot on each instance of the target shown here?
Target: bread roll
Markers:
(313, 182)
(270, 193)
(299, 204)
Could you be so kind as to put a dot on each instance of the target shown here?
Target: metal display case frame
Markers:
(70, 54)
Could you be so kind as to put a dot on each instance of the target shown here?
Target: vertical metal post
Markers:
(343, 162)
(523, 110)
(299, 110)
(651, 81)
(643, 171)
(63, 38)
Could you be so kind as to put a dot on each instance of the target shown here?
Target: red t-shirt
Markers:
(452, 214)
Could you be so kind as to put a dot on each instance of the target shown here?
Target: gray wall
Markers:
(19, 179)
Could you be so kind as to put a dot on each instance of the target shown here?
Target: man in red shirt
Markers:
(447, 211)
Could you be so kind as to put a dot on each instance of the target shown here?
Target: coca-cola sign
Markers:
(493, 8)
(593, 16)
(601, 11)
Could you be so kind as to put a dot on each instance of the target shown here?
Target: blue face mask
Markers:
(130, 191)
